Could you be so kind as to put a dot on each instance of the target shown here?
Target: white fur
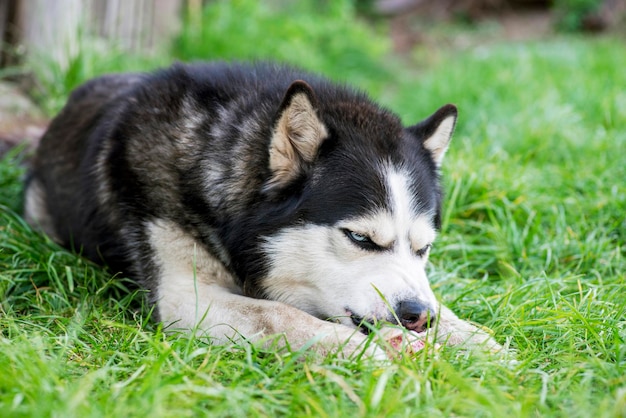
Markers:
(438, 142)
(418, 227)
(35, 211)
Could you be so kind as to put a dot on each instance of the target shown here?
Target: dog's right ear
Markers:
(297, 135)
(435, 132)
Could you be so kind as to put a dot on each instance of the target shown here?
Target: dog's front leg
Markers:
(194, 291)
(226, 317)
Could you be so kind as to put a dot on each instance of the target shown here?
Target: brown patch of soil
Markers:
(21, 121)
(412, 29)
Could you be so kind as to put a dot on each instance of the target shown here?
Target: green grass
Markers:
(533, 246)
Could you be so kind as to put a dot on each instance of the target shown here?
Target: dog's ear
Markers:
(436, 131)
(297, 135)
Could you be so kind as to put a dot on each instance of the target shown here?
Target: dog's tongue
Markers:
(411, 347)
(403, 342)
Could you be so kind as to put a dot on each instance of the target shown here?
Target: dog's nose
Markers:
(415, 316)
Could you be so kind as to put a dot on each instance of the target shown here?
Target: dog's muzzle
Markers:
(412, 315)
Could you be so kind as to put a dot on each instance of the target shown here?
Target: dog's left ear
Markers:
(436, 132)
(297, 135)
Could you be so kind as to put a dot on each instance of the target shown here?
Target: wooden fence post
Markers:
(54, 26)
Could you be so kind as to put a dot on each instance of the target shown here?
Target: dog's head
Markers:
(364, 198)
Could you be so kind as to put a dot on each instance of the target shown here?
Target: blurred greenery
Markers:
(326, 37)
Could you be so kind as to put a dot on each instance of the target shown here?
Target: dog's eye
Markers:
(362, 241)
(422, 251)
(355, 236)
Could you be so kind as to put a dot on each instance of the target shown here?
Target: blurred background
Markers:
(50, 46)
(138, 25)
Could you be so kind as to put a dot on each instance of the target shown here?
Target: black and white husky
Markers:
(252, 201)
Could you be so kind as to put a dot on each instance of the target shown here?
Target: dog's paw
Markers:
(345, 342)
(406, 344)
(399, 341)
(453, 331)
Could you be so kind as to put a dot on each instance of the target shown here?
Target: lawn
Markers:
(533, 245)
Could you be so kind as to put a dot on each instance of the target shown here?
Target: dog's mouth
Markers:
(366, 325)
(361, 324)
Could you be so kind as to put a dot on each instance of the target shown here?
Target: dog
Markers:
(253, 202)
